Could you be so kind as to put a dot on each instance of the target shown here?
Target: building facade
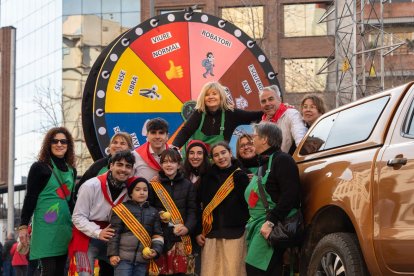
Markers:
(7, 35)
(57, 41)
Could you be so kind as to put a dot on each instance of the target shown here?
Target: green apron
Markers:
(254, 170)
(209, 139)
(103, 170)
(52, 221)
(259, 252)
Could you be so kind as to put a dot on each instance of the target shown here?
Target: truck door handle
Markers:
(398, 161)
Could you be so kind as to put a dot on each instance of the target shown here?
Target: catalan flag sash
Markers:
(170, 206)
(221, 194)
(138, 230)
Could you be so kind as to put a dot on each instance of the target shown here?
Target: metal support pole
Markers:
(10, 181)
(382, 43)
(363, 61)
(337, 39)
(354, 50)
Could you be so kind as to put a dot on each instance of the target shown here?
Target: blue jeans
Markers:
(8, 270)
(96, 250)
(127, 268)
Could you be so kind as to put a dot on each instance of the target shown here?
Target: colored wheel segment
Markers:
(155, 68)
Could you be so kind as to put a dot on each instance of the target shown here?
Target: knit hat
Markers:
(199, 143)
(133, 181)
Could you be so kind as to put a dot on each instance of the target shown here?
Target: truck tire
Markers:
(337, 254)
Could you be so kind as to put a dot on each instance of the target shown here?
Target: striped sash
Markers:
(138, 230)
(170, 206)
(220, 195)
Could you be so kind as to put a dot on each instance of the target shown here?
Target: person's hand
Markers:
(265, 230)
(201, 240)
(24, 236)
(165, 216)
(180, 230)
(151, 255)
(114, 260)
(155, 179)
(250, 175)
(107, 233)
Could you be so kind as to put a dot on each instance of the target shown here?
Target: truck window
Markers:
(408, 130)
(346, 127)
(316, 139)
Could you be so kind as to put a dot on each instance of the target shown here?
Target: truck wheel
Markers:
(337, 254)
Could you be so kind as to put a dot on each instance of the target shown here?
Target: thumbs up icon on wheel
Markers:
(175, 72)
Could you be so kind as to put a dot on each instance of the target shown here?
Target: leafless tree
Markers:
(57, 108)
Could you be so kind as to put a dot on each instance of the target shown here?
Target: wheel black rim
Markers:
(331, 264)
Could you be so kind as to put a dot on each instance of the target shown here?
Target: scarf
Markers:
(145, 154)
(279, 112)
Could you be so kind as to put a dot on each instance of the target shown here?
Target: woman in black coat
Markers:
(224, 215)
(214, 118)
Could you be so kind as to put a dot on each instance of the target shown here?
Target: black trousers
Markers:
(275, 266)
(53, 266)
(105, 269)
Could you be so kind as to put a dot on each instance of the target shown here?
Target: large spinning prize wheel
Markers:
(158, 68)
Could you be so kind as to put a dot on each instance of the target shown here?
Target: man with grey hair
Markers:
(287, 119)
(280, 179)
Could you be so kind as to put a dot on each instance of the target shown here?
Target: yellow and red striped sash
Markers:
(170, 206)
(138, 230)
(220, 195)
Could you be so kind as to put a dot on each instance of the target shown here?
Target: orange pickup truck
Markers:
(357, 171)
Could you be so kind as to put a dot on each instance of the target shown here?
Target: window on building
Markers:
(302, 20)
(394, 33)
(91, 6)
(248, 19)
(130, 6)
(71, 7)
(301, 75)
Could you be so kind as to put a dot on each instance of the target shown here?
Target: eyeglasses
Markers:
(62, 141)
(249, 144)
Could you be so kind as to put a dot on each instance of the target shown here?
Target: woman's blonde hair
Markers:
(126, 136)
(224, 103)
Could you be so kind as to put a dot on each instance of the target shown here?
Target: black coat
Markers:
(183, 193)
(124, 244)
(212, 121)
(283, 183)
(231, 215)
(93, 171)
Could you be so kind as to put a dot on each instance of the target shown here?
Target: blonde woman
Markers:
(120, 141)
(214, 118)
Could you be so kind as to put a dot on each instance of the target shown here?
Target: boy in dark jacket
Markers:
(125, 250)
